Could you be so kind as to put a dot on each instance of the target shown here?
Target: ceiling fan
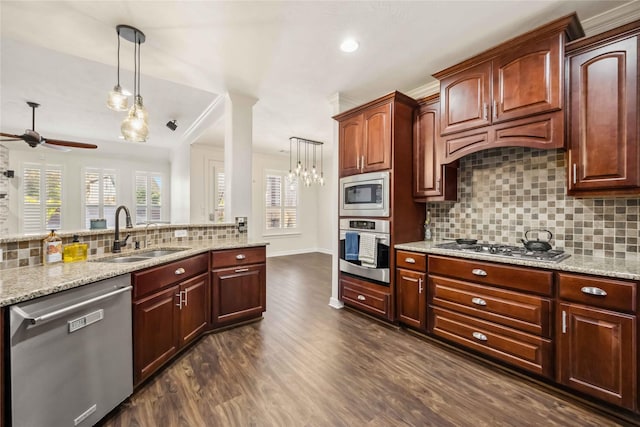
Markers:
(34, 139)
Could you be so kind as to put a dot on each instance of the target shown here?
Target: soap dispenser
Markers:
(52, 248)
(76, 251)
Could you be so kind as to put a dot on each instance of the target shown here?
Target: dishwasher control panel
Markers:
(85, 320)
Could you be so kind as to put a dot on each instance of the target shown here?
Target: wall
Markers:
(504, 192)
(73, 163)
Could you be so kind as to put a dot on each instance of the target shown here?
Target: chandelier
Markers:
(306, 155)
(135, 126)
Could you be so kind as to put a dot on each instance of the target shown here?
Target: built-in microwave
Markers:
(366, 194)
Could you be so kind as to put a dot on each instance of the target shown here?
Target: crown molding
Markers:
(210, 115)
(430, 88)
(611, 19)
(341, 103)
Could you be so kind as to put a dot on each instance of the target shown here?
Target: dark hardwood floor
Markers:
(307, 364)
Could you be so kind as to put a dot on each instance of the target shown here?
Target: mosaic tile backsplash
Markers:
(504, 192)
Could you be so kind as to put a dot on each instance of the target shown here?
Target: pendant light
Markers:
(307, 175)
(117, 100)
(135, 126)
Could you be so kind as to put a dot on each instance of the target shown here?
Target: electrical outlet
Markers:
(180, 233)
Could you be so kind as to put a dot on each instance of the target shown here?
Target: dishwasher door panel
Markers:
(71, 355)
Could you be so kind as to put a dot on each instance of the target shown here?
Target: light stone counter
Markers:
(25, 283)
(609, 267)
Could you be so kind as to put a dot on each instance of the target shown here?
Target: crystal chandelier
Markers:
(306, 155)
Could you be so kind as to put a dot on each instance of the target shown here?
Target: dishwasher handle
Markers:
(70, 308)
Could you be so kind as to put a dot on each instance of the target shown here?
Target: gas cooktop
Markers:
(519, 252)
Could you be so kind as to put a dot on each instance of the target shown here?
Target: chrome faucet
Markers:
(116, 239)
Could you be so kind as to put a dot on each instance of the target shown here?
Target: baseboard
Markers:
(335, 303)
(299, 251)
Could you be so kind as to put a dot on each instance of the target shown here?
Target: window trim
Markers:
(43, 167)
(276, 232)
(163, 209)
(116, 173)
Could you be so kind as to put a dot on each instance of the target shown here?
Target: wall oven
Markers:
(366, 194)
(376, 229)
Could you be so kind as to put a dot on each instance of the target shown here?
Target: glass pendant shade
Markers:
(305, 171)
(134, 128)
(117, 100)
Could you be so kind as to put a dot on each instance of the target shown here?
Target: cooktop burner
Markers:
(553, 255)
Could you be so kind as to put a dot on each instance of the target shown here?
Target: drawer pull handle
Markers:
(240, 257)
(241, 270)
(180, 271)
(420, 285)
(479, 336)
(478, 301)
(592, 290)
(179, 304)
(479, 272)
(409, 279)
(410, 260)
(361, 298)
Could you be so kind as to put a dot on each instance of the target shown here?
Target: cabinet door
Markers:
(597, 353)
(603, 118)
(528, 80)
(411, 286)
(426, 161)
(377, 138)
(238, 294)
(195, 311)
(465, 99)
(155, 331)
(350, 145)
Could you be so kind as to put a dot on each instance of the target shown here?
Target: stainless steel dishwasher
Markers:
(71, 355)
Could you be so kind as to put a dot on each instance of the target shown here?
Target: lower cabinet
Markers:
(170, 309)
(411, 289)
(368, 297)
(597, 347)
(238, 280)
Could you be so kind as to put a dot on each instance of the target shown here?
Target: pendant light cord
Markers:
(118, 32)
(135, 72)
(139, 65)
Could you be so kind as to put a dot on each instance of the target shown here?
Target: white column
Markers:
(339, 104)
(238, 140)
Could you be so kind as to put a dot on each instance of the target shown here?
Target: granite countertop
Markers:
(25, 283)
(609, 267)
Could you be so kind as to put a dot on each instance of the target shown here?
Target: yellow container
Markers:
(75, 251)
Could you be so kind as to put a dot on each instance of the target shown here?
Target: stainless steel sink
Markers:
(159, 252)
(120, 259)
(140, 256)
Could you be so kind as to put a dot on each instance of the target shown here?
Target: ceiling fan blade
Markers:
(55, 147)
(10, 137)
(71, 144)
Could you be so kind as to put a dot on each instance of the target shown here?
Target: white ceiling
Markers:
(285, 54)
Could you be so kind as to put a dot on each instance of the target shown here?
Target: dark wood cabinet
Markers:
(366, 141)
(433, 180)
(369, 297)
(502, 311)
(411, 289)
(519, 81)
(603, 155)
(597, 347)
(170, 309)
(239, 285)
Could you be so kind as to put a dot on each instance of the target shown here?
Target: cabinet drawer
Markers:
(618, 295)
(411, 260)
(509, 345)
(235, 257)
(528, 313)
(365, 298)
(519, 278)
(155, 278)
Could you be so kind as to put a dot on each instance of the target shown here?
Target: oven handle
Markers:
(70, 308)
(382, 237)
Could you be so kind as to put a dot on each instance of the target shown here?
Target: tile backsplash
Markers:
(504, 192)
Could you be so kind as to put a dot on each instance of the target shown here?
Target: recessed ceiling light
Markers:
(349, 45)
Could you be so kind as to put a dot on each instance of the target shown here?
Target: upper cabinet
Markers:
(510, 95)
(602, 129)
(367, 135)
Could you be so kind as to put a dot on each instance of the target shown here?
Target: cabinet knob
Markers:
(240, 257)
(478, 272)
(180, 271)
(478, 301)
(479, 336)
(592, 290)
(361, 298)
(410, 260)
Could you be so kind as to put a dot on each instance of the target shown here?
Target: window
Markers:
(100, 195)
(218, 208)
(42, 198)
(281, 197)
(148, 197)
